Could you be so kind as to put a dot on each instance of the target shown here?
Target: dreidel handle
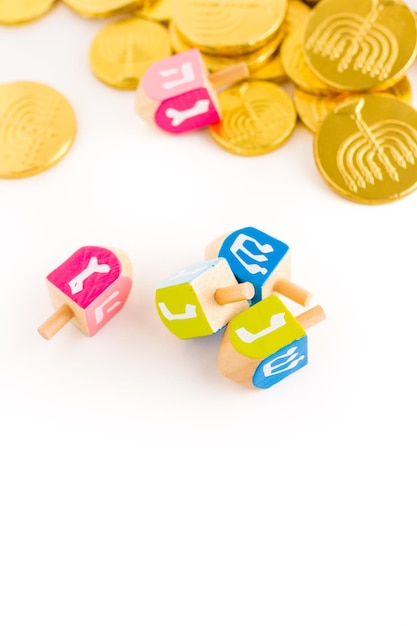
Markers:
(292, 291)
(234, 293)
(311, 317)
(229, 75)
(57, 321)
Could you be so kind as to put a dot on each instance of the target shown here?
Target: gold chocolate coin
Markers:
(313, 108)
(102, 8)
(257, 117)
(295, 66)
(360, 45)
(296, 15)
(272, 70)
(122, 51)
(228, 28)
(14, 12)
(215, 63)
(158, 10)
(366, 148)
(401, 90)
(37, 128)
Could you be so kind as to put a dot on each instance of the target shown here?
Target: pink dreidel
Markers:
(88, 289)
(178, 95)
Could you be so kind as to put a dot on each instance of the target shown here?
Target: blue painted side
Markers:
(281, 364)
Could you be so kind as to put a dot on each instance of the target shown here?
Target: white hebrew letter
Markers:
(277, 365)
(77, 283)
(239, 246)
(99, 311)
(276, 322)
(187, 75)
(189, 313)
(178, 117)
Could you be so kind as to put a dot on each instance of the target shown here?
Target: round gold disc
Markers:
(257, 117)
(102, 8)
(295, 66)
(158, 10)
(122, 51)
(360, 45)
(272, 70)
(366, 148)
(37, 128)
(14, 12)
(215, 63)
(297, 14)
(228, 28)
(313, 108)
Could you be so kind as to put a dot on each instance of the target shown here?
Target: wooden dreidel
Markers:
(88, 289)
(266, 343)
(257, 257)
(201, 299)
(178, 95)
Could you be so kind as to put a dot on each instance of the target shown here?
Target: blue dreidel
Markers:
(256, 257)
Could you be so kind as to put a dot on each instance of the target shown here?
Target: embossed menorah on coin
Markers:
(360, 46)
(366, 148)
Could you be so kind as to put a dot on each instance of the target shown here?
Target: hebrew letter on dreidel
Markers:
(239, 246)
(276, 322)
(178, 117)
(189, 312)
(100, 310)
(77, 284)
(196, 108)
(278, 365)
(188, 75)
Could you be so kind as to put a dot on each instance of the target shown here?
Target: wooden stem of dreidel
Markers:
(311, 317)
(228, 76)
(57, 321)
(234, 293)
(292, 291)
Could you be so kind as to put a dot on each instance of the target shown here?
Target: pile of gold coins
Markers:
(338, 67)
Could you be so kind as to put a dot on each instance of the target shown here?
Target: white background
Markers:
(139, 486)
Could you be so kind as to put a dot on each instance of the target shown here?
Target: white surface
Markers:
(137, 485)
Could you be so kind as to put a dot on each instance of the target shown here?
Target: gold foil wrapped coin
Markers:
(295, 66)
(228, 28)
(313, 108)
(102, 8)
(272, 70)
(14, 12)
(366, 148)
(360, 45)
(257, 117)
(297, 14)
(123, 50)
(158, 10)
(215, 63)
(37, 128)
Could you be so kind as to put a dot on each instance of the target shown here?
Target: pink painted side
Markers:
(94, 283)
(190, 111)
(174, 75)
(107, 304)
